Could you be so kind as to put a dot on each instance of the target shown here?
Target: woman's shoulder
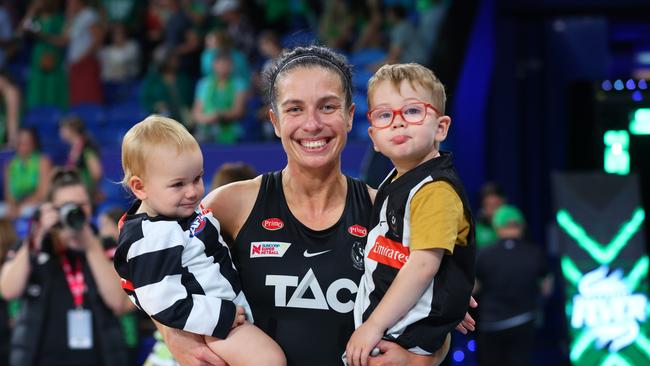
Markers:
(232, 203)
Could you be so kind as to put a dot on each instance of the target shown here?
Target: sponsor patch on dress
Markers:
(389, 252)
(197, 226)
(261, 249)
(273, 224)
(358, 231)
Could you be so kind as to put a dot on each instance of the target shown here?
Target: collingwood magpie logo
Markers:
(356, 253)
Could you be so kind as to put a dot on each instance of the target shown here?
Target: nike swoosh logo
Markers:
(307, 254)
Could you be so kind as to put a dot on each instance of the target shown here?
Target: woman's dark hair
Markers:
(232, 172)
(76, 124)
(63, 177)
(307, 57)
(491, 189)
(34, 135)
(114, 213)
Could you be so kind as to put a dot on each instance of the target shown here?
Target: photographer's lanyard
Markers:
(76, 282)
(80, 326)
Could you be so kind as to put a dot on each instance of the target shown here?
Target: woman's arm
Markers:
(188, 349)
(94, 165)
(198, 114)
(14, 274)
(232, 204)
(107, 280)
(9, 198)
(236, 111)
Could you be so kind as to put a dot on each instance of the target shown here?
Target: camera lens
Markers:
(72, 216)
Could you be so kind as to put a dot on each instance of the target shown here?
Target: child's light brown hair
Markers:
(142, 139)
(416, 74)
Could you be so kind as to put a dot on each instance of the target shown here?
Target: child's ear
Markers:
(137, 187)
(372, 138)
(443, 127)
(275, 122)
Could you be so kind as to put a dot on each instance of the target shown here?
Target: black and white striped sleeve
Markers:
(157, 281)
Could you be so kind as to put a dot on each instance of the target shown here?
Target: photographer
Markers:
(70, 291)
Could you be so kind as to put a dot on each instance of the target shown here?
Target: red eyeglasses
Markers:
(412, 113)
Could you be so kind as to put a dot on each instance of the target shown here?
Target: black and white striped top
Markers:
(179, 271)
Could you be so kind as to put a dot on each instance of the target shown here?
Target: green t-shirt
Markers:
(24, 175)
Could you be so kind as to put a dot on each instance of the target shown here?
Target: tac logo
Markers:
(310, 294)
(272, 224)
(607, 309)
(389, 252)
(268, 249)
(197, 226)
(358, 230)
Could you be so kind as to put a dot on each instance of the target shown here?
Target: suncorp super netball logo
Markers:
(607, 309)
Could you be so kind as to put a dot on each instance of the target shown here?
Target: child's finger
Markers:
(240, 310)
(364, 357)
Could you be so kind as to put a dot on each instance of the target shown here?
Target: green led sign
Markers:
(617, 143)
(598, 253)
(617, 155)
(640, 124)
(607, 308)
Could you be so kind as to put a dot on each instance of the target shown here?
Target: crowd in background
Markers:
(197, 61)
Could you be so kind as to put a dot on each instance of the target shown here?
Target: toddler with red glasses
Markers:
(419, 257)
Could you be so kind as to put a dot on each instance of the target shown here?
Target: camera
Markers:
(72, 216)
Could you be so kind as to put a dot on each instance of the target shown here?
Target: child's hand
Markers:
(468, 324)
(240, 317)
(362, 342)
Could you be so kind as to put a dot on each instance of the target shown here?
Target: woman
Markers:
(46, 81)
(68, 287)
(26, 175)
(83, 154)
(297, 234)
(83, 37)
(167, 90)
(220, 103)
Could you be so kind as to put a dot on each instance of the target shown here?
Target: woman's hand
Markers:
(48, 217)
(392, 354)
(189, 349)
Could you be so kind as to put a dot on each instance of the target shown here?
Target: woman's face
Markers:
(66, 134)
(26, 144)
(312, 120)
(76, 194)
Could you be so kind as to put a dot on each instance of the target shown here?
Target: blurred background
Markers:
(549, 103)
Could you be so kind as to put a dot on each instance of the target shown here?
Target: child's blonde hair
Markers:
(141, 139)
(416, 74)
